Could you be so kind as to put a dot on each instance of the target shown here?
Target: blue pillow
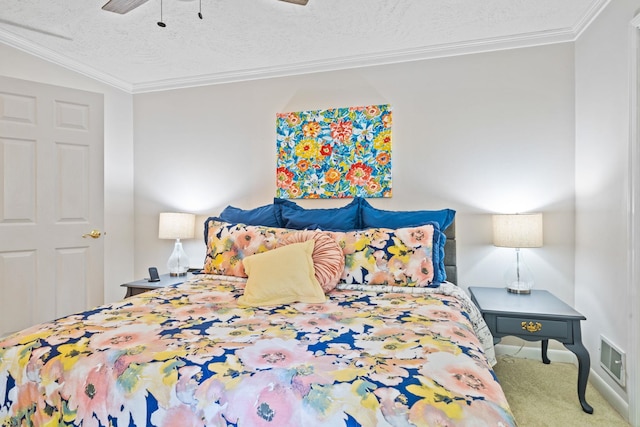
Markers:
(376, 218)
(292, 216)
(264, 215)
(440, 271)
(277, 206)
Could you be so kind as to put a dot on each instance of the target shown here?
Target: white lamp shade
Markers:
(517, 230)
(176, 225)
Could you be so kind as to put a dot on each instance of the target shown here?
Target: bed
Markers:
(273, 334)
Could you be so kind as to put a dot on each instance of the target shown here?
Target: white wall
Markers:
(602, 150)
(480, 133)
(118, 153)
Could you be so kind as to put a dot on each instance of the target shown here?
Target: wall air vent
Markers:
(612, 360)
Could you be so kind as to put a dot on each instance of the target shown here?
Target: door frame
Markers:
(633, 362)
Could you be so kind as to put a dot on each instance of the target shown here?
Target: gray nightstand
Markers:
(538, 316)
(140, 286)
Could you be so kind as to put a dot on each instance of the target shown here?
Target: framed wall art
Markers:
(334, 153)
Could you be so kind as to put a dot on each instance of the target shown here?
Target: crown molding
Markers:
(589, 16)
(332, 64)
(359, 61)
(56, 58)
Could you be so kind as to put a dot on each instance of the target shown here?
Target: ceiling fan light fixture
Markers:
(161, 22)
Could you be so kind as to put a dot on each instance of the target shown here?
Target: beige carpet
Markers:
(546, 395)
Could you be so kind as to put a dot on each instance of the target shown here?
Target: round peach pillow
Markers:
(328, 258)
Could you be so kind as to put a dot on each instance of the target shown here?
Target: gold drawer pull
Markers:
(532, 327)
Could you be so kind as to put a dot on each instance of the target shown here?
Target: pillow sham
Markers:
(382, 256)
(328, 259)
(228, 244)
(372, 217)
(281, 276)
(292, 216)
(263, 215)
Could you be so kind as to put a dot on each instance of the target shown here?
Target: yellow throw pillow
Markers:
(281, 276)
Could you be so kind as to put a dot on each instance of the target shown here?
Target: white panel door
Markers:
(51, 194)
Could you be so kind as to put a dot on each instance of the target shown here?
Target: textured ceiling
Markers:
(245, 39)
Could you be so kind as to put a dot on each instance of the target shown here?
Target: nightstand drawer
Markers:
(531, 327)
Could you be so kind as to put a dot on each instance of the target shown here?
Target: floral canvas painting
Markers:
(335, 153)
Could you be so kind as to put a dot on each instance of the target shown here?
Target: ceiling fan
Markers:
(124, 6)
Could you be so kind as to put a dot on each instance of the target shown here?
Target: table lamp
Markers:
(518, 231)
(177, 226)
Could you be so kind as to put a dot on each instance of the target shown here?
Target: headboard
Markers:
(450, 264)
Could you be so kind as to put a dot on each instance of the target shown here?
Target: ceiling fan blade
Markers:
(122, 6)
(300, 2)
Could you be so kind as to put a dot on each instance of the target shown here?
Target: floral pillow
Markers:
(377, 256)
(228, 244)
(382, 256)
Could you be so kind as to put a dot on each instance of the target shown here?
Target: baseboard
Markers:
(526, 352)
(610, 396)
(565, 356)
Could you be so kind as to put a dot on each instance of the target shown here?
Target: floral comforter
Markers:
(188, 355)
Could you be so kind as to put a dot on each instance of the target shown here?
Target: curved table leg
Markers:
(584, 364)
(545, 347)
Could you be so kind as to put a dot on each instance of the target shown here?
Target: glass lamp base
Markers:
(178, 263)
(518, 278)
